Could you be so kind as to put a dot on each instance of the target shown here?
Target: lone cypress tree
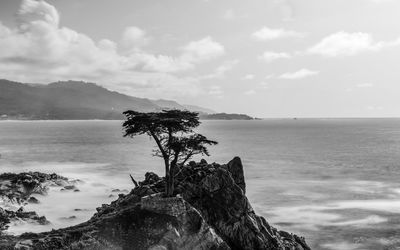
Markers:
(173, 132)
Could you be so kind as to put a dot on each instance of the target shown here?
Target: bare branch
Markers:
(133, 180)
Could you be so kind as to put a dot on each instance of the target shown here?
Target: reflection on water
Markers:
(335, 181)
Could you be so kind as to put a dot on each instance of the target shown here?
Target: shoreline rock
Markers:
(17, 190)
(210, 211)
(19, 187)
(7, 216)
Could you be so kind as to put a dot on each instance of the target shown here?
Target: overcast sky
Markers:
(266, 58)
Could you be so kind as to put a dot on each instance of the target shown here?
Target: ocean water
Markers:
(334, 181)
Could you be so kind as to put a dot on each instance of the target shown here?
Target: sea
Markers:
(334, 181)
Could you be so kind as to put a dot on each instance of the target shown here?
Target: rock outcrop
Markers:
(210, 211)
(6, 216)
(17, 190)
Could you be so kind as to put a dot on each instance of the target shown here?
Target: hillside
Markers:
(71, 100)
(174, 105)
(168, 104)
(198, 109)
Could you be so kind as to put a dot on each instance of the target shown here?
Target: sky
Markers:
(265, 58)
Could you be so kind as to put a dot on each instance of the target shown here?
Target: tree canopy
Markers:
(173, 132)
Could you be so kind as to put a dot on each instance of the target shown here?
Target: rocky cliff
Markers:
(210, 211)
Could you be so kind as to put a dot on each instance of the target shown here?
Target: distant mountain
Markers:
(70, 100)
(168, 104)
(198, 109)
(225, 116)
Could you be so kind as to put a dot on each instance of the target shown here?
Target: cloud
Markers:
(298, 74)
(40, 50)
(348, 44)
(32, 11)
(193, 53)
(269, 56)
(202, 50)
(248, 77)
(268, 34)
(156, 85)
(226, 66)
(134, 38)
(221, 70)
(162, 63)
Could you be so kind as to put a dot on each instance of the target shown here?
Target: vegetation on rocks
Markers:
(173, 133)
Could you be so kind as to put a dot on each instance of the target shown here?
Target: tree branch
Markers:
(164, 154)
(133, 180)
(169, 140)
(189, 155)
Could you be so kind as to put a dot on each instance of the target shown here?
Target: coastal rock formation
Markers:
(16, 190)
(19, 187)
(153, 223)
(210, 211)
(6, 216)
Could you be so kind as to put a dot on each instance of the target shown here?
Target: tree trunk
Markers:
(167, 186)
(170, 180)
(167, 177)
